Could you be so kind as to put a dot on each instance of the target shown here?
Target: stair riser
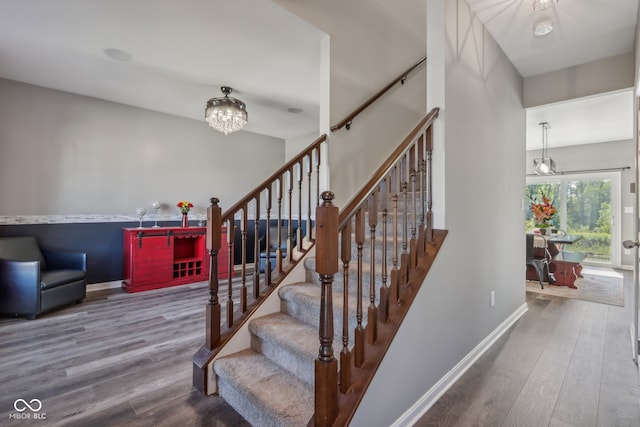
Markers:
(254, 414)
(338, 282)
(264, 394)
(298, 364)
(310, 313)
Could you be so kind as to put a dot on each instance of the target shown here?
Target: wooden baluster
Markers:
(422, 173)
(429, 148)
(230, 236)
(383, 307)
(256, 248)
(345, 354)
(372, 313)
(267, 238)
(359, 332)
(279, 236)
(414, 214)
(214, 235)
(300, 234)
(317, 162)
(326, 365)
(395, 273)
(309, 172)
(290, 220)
(404, 258)
(412, 177)
(244, 225)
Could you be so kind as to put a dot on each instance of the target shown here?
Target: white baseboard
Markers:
(418, 409)
(104, 285)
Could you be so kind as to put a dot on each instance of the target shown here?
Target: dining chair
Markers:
(538, 264)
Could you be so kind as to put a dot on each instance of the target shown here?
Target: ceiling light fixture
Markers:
(543, 4)
(543, 28)
(226, 114)
(544, 165)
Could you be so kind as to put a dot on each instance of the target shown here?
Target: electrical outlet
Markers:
(493, 298)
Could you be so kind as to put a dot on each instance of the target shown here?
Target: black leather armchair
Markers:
(34, 280)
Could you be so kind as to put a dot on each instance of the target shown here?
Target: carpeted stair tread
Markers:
(338, 278)
(302, 301)
(264, 393)
(288, 342)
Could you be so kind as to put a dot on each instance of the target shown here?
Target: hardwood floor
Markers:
(123, 359)
(117, 359)
(565, 363)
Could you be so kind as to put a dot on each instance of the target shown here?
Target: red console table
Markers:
(168, 256)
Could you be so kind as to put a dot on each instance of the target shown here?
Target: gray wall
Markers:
(64, 154)
(482, 120)
(370, 44)
(73, 170)
(592, 78)
(613, 154)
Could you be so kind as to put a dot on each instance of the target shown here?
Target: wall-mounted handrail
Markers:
(264, 205)
(346, 122)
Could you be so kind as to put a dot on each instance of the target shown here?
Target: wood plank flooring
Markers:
(565, 363)
(117, 359)
(123, 359)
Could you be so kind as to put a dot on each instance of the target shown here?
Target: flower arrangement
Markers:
(184, 206)
(543, 212)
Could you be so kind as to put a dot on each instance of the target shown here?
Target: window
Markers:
(587, 205)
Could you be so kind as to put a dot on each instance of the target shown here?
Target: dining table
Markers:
(565, 266)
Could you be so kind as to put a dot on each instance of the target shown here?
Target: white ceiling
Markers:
(182, 52)
(588, 120)
(584, 31)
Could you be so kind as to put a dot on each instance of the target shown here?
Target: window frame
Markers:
(616, 223)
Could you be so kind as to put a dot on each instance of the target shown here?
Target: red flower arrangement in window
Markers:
(543, 212)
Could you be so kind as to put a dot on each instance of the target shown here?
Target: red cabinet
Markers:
(168, 256)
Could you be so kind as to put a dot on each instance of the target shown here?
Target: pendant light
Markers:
(544, 165)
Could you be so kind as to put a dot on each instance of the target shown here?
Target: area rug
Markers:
(602, 285)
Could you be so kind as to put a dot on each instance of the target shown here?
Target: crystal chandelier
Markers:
(544, 165)
(226, 114)
(543, 4)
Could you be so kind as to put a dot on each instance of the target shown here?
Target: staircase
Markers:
(371, 258)
(272, 382)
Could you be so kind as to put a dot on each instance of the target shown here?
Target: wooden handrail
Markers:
(404, 183)
(415, 157)
(258, 203)
(349, 119)
(267, 182)
(386, 167)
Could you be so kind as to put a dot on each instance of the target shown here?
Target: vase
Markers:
(185, 219)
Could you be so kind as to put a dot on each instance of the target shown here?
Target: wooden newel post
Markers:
(326, 365)
(214, 226)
